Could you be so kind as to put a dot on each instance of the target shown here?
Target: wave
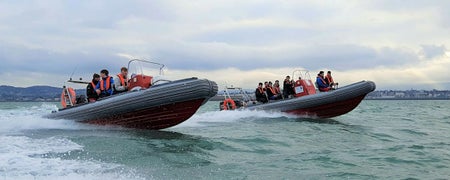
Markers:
(216, 117)
(30, 118)
(25, 158)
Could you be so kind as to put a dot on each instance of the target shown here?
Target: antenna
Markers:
(73, 72)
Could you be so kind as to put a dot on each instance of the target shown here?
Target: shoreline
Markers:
(371, 98)
(221, 98)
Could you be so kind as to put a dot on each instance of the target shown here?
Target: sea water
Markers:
(380, 139)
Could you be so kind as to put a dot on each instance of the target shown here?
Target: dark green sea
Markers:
(380, 139)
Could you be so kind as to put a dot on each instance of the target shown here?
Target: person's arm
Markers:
(112, 86)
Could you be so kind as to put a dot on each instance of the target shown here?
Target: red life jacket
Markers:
(93, 85)
(277, 90)
(122, 79)
(330, 79)
(108, 84)
(261, 90)
(272, 90)
(322, 80)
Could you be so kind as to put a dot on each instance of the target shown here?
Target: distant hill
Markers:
(33, 93)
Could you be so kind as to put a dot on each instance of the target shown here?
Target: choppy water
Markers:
(378, 140)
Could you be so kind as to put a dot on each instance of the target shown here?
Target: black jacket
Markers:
(287, 86)
(90, 91)
(260, 96)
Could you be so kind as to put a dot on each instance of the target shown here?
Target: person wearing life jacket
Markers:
(288, 88)
(260, 94)
(121, 85)
(329, 80)
(266, 84)
(91, 88)
(105, 86)
(276, 87)
(322, 85)
(271, 93)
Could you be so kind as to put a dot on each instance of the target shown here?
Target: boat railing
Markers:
(161, 66)
(303, 74)
(245, 97)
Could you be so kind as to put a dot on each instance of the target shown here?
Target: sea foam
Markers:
(23, 156)
(211, 117)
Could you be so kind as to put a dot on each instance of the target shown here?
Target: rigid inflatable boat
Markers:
(306, 102)
(150, 103)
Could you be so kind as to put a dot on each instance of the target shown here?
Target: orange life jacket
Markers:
(122, 79)
(93, 85)
(272, 90)
(330, 79)
(108, 84)
(261, 90)
(277, 90)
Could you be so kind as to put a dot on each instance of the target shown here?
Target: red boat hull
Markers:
(155, 117)
(329, 110)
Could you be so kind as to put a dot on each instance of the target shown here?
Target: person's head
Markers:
(270, 83)
(124, 71)
(288, 77)
(95, 77)
(266, 83)
(321, 73)
(329, 72)
(260, 84)
(104, 73)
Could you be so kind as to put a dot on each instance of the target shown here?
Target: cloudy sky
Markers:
(398, 44)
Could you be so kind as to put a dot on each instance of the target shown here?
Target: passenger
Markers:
(91, 88)
(260, 94)
(321, 84)
(288, 89)
(271, 93)
(329, 80)
(104, 87)
(266, 84)
(121, 85)
(276, 87)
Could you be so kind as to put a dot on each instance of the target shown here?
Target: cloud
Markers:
(419, 75)
(50, 38)
(432, 51)
(430, 74)
(206, 56)
(42, 60)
